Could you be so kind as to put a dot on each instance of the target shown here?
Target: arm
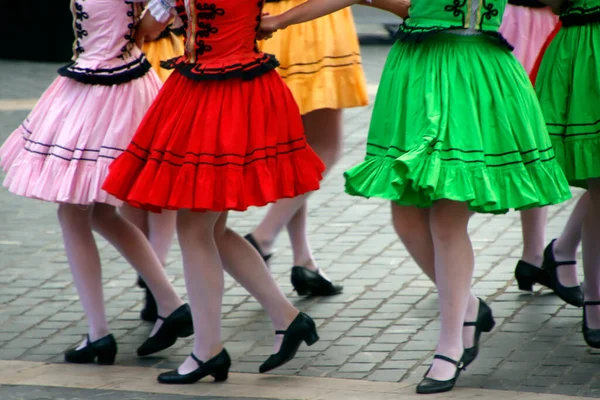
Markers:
(154, 21)
(313, 9)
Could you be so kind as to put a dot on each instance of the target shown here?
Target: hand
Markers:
(269, 25)
(139, 39)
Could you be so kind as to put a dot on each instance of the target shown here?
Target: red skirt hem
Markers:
(217, 146)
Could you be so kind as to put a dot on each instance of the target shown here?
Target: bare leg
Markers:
(136, 249)
(324, 134)
(454, 263)
(566, 245)
(533, 224)
(84, 262)
(591, 254)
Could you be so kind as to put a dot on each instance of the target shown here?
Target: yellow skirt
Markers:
(164, 49)
(320, 60)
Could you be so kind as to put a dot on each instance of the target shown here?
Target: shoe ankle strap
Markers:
(196, 359)
(458, 364)
(591, 303)
(473, 323)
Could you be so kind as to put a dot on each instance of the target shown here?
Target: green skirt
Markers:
(456, 118)
(568, 86)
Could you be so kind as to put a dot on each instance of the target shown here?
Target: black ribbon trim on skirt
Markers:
(412, 34)
(107, 77)
(527, 3)
(168, 30)
(246, 71)
(580, 16)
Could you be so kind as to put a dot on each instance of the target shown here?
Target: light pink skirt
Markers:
(527, 29)
(62, 151)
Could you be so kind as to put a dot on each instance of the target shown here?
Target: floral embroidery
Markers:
(80, 33)
(456, 8)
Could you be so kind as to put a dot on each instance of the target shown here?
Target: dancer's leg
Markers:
(323, 130)
(204, 280)
(246, 267)
(136, 249)
(412, 225)
(533, 227)
(591, 253)
(454, 262)
(84, 261)
(566, 245)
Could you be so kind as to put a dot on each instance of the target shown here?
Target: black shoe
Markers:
(527, 275)
(150, 311)
(302, 329)
(104, 349)
(250, 238)
(591, 336)
(311, 283)
(572, 295)
(177, 325)
(431, 386)
(485, 323)
(217, 367)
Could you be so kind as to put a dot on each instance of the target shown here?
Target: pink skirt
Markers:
(527, 29)
(62, 151)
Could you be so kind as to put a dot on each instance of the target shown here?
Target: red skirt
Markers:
(215, 146)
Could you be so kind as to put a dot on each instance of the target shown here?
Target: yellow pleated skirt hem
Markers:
(320, 60)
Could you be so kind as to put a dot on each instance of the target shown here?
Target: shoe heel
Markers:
(525, 284)
(107, 359)
(221, 376)
(488, 324)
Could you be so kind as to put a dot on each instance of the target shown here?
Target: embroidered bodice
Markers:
(580, 12)
(220, 38)
(461, 16)
(104, 50)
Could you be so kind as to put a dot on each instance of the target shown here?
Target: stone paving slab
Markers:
(383, 328)
(52, 393)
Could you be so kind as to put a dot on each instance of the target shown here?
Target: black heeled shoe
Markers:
(431, 386)
(177, 325)
(484, 323)
(527, 275)
(591, 336)
(104, 350)
(250, 238)
(311, 283)
(217, 367)
(572, 295)
(150, 311)
(302, 329)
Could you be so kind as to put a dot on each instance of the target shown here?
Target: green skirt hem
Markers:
(578, 159)
(496, 191)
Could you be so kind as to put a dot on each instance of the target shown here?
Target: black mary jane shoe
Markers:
(302, 329)
(432, 386)
(311, 283)
(484, 323)
(217, 367)
(528, 274)
(103, 349)
(250, 238)
(591, 336)
(177, 325)
(572, 295)
(150, 311)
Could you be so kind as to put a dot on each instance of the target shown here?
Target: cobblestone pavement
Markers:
(382, 328)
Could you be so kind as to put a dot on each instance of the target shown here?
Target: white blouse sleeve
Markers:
(161, 10)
